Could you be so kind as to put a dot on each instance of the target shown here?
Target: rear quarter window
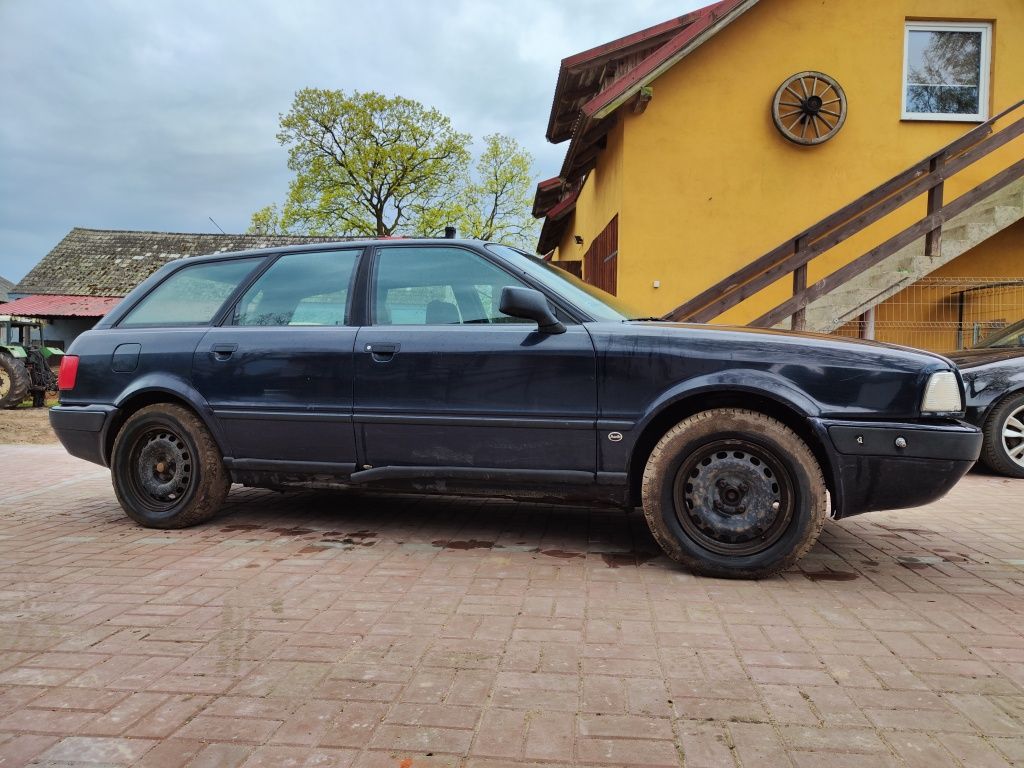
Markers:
(191, 296)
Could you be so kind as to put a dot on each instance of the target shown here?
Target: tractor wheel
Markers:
(14, 382)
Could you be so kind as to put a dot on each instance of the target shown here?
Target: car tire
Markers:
(166, 468)
(734, 494)
(14, 381)
(998, 447)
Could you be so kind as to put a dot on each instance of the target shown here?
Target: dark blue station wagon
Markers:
(462, 367)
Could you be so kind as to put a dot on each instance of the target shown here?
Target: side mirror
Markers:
(532, 305)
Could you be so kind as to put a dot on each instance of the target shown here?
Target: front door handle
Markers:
(382, 352)
(223, 351)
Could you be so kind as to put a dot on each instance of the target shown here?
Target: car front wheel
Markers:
(1003, 449)
(734, 493)
(166, 468)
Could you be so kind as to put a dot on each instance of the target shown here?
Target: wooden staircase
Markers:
(948, 230)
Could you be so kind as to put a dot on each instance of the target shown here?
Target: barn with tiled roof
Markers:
(102, 265)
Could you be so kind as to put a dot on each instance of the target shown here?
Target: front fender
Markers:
(761, 385)
(757, 383)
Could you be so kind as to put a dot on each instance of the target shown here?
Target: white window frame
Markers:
(984, 77)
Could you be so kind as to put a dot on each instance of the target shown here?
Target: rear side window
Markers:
(300, 289)
(191, 296)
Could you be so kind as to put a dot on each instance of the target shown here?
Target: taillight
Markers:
(68, 373)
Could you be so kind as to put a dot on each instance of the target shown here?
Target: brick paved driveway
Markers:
(331, 630)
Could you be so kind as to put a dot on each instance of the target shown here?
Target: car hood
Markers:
(832, 346)
(972, 358)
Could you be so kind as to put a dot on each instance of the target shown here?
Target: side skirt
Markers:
(567, 487)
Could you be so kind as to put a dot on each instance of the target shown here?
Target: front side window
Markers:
(946, 71)
(190, 296)
(438, 286)
(300, 289)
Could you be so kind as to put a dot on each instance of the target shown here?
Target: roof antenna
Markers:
(216, 225)
(449, 232)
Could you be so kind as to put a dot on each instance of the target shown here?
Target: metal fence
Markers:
(943, 314)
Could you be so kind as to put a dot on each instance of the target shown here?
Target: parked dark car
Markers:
(459, 367)
(993, 374)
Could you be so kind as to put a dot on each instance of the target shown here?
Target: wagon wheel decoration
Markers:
(809, 108)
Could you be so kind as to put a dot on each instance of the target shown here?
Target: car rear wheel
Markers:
(166, 468)
(1003, 449)
(735, 494)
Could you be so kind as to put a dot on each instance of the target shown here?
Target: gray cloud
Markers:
(154, 115)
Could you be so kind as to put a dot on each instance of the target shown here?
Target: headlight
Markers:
(942, 394)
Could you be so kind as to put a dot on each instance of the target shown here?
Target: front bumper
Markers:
(82, 430)
(880, 466)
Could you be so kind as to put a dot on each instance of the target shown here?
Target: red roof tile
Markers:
(45, 305)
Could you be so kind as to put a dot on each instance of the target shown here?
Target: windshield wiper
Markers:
(645, 319)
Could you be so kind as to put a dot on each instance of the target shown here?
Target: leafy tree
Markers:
(370, 165)
(496, 203)
(366, 164)
(266, 221)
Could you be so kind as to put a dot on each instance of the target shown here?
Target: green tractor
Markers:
(26, 363)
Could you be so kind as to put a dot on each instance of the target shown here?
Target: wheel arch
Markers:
(671, 413)
(991, 408)
(147, 394)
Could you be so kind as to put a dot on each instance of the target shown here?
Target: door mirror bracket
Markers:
(531, 305)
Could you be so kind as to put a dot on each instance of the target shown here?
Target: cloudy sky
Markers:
(125, 114)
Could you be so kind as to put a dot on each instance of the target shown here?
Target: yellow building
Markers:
(708, 157)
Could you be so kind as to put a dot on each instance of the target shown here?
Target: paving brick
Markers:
(627, 752)
(298, 757)
(221, 756)
(171, 753)
(206, 728)
(98, 749)
(501, 733)
(549, 736)
(23, 749)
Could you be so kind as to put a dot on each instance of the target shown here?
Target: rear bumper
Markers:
(82, 430)
(872, 472)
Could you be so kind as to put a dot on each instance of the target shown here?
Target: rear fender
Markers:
(14, 351)
(162, 387)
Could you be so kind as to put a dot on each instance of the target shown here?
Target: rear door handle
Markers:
(382, 352)
(223, 351)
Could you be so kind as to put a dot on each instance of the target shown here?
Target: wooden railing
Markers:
(792, 257)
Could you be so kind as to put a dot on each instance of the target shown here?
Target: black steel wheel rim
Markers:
(733, 497)
(162, 469)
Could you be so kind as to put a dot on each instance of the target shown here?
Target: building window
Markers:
(946, 69)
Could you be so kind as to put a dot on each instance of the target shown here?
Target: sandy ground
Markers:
(26, 426)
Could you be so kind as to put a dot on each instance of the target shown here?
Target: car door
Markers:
(444, 379)
(278, 371)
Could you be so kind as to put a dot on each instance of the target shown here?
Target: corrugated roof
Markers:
(48, 305)
(103, 262)
(5, 288)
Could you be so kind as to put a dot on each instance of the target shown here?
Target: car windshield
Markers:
(599, 304)
(1011, 336)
